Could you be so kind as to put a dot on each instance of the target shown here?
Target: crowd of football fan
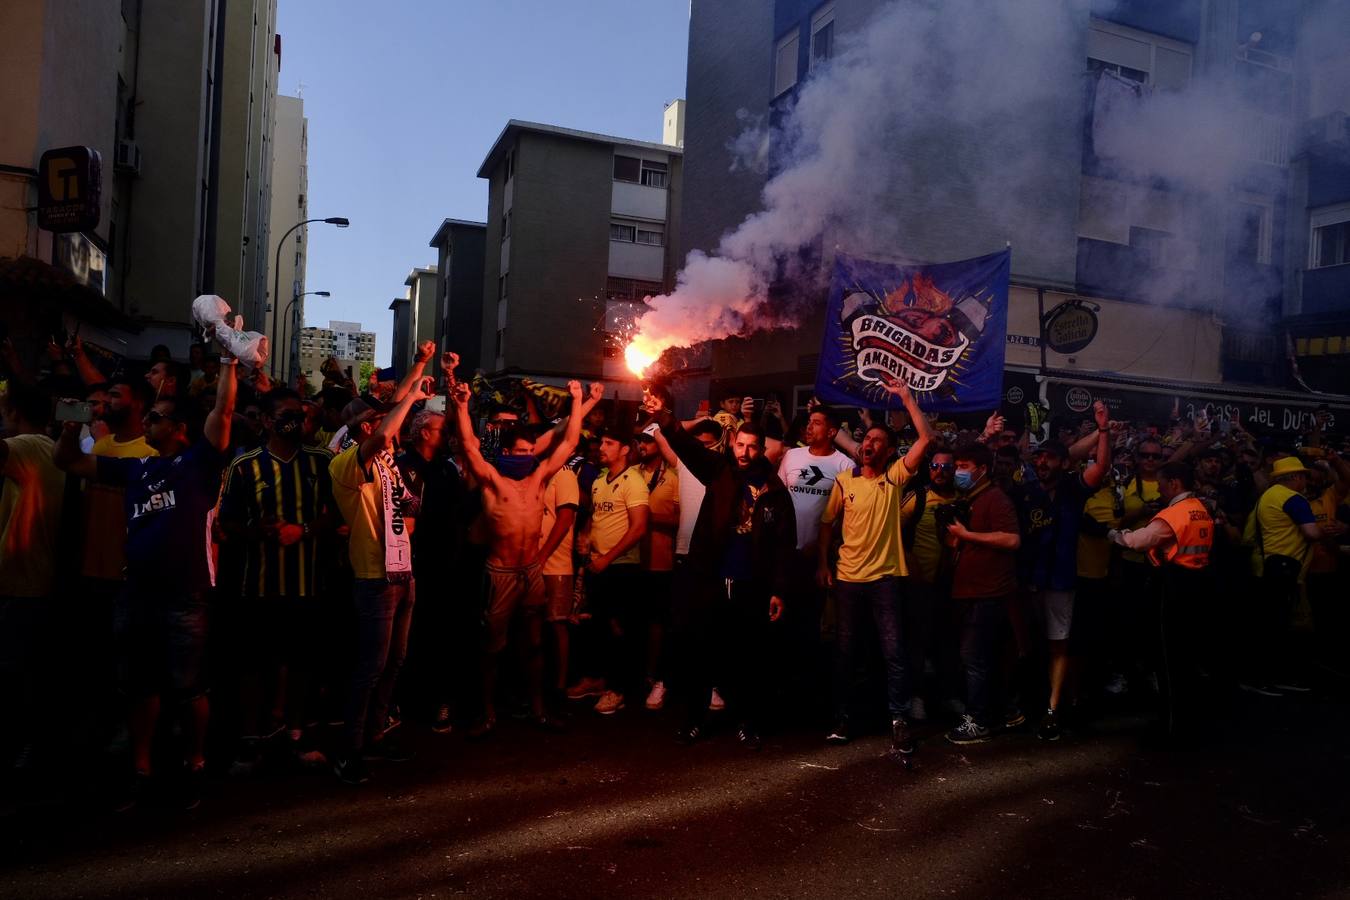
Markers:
(191, 531)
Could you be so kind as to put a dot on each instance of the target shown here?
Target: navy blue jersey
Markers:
(1049, 555)
(168, 501)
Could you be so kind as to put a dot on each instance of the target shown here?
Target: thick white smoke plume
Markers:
(839, 152)
(989, 83)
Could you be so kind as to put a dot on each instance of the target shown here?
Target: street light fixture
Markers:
(285, 345)
(339, 221)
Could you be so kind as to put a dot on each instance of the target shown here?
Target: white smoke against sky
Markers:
(989, 82)
(839, 151)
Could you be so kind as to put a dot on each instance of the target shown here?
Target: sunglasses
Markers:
(155, 415)
(1150, 456)
(944, 467)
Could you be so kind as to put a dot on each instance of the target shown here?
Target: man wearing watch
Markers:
(275, 498)
(161, 616)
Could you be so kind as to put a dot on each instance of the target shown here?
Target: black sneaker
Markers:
(1289, 686)
(969, 732)
(131, 792)
(548, 724)
(749, 738)
(351, 770)
(1048, 730)
(442, 724)
(389, 749)
(839, 733)
(247, 759)
(482, 729)
(688, 735)
(1264, 690)
(190, 789)
(902, 741)
(1013, 717)
(24, 759)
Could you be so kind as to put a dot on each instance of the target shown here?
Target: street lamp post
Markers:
(285, 344)
(339, 221)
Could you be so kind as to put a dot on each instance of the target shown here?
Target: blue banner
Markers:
(937, 327)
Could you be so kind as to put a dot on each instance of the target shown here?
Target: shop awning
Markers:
(1072, 393)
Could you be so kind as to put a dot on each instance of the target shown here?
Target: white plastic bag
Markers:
(249, 347)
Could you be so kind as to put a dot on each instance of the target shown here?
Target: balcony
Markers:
(1326, 290)
(1270, 138)
(1252, 356)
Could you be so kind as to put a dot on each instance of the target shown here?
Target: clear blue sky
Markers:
(405, 97)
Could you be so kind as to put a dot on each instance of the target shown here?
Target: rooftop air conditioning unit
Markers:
(127, 157)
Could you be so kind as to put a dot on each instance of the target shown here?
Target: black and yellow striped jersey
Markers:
(262, 490)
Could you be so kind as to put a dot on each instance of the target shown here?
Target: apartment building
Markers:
(289, 205)
(460, 246)
(176, 98)
(346, 341)
(581, 228)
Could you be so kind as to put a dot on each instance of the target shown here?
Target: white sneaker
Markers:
(715, 702)
(609, 703)
(657, 698)
(917, 711)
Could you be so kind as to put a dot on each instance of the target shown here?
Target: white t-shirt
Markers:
(691, 501)
(810, 479)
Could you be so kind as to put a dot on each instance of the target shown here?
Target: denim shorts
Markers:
(161, 641)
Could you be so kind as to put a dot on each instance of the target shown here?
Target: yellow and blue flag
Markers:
(939, 328)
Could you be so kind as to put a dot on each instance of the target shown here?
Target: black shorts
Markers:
(161, 641)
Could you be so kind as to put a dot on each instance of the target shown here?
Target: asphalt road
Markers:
(614, 808)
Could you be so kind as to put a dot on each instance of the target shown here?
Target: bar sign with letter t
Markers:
(70, 181)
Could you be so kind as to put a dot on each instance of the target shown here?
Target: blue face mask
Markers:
(517, 467)
(965, 480)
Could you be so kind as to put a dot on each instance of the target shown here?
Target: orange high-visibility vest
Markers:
(1193, 528)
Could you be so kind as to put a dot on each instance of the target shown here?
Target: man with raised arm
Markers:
(1056, 510)
(369, 491)
(513, 507)
(865, 504)
(161, 617)
(739, 571)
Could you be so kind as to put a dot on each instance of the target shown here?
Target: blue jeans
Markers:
(881, 600)
(983, 622)
(383, 615)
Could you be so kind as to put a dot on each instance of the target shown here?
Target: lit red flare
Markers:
(640, 353)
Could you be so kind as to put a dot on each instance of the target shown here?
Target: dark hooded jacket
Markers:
(773, 523)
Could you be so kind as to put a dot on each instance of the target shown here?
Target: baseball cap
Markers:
(362, 408)
(1054, 448)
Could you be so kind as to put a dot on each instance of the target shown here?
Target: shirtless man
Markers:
(513, 507)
